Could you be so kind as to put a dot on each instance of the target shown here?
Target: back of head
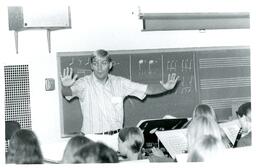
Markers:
(244, 109)
(95, 153)
(24, 148)
(73, 145)
(201, 126)
(204, 110)
(134, 138)
(207, 148)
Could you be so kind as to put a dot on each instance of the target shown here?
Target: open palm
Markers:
(171, 81)
(66, 78)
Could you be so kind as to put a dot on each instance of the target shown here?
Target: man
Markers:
(244, 136)
(101, 94)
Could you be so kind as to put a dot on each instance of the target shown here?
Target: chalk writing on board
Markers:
(72, 62)
(172, 65)
(146, 68)
(183, 66)
(186, 65)
(151, 64)
(87, 62)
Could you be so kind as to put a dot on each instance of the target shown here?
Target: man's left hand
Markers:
(171, 82)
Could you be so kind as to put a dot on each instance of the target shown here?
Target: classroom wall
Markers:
(112, 25)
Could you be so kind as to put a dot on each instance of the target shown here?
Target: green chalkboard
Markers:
(198, 68)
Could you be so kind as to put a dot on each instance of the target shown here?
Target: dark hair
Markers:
(101, 53)
(135, 137)
(24, 148)
(95, 153)
(73, 145)
(244, 109)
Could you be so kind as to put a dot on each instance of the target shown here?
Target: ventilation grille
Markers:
(17, 95)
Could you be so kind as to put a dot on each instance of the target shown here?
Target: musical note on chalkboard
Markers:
(88, 62)
(151, 64)
(80, 62)
(72, 62)
(172, 65)
(142, 67)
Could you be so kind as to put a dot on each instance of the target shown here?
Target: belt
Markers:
(109, 132)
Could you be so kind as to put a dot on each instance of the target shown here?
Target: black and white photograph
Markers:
(121, 83)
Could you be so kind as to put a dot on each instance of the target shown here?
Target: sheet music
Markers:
(175, 141)
(231, 128)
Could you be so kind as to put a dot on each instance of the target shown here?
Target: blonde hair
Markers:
(100, 53)
(201, 126)
(207, 148)
(204, 110)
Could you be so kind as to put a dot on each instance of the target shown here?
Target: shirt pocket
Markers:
(117, 103)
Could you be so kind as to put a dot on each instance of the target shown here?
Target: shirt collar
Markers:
(96, 81)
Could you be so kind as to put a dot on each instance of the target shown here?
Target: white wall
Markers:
(108, 24)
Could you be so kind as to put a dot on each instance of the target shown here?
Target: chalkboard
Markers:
(224, 79)
(199, 70)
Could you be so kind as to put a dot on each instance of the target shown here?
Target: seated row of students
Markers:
(80, 149)
(213, 140)
(204, 135)
(24, 148)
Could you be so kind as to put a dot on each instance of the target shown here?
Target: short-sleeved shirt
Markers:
(102, 104)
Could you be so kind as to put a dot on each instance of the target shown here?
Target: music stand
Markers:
(149, 127)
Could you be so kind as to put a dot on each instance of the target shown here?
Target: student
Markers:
(244, 136)
(201, 126)
(101, 94)
(204, 110)
(24, 148)
(130, 142)
(206, 148)
(73, 145)
(207, 111)
(95, 153)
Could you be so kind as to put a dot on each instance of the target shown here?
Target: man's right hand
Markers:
(66, 78)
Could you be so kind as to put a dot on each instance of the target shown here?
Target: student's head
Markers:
(244, 116)
(101, 64)
(204, 110)
(73, 145)
(206, 148)
(24, 148)
(130, 141)
(95, 153)
(201, 126)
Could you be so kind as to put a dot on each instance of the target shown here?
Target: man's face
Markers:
(101, 67)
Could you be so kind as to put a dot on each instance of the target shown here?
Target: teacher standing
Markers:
(101, 94)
